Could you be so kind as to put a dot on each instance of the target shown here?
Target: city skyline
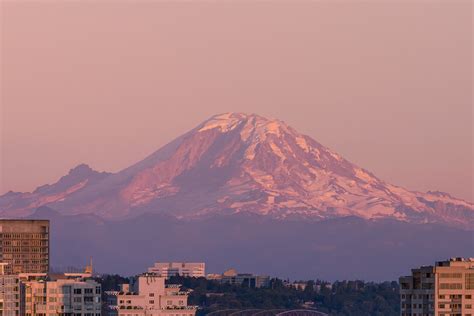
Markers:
(445, 288)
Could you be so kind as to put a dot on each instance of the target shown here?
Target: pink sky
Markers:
(387, 84)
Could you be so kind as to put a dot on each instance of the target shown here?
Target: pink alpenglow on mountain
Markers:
(239, 163)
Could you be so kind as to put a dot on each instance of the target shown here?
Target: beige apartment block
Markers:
(24, 245)
(148, 295)
(446, 289)
(61, 295)
(9, 293)
(186, 269)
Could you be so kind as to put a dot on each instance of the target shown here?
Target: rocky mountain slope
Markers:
(239, 163)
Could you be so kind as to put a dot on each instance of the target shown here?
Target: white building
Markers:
(186, 269)
(66, 294)
(148, 295)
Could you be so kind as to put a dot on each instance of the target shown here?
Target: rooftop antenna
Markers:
(90, 267)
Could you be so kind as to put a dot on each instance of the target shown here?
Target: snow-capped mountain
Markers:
(239, 163)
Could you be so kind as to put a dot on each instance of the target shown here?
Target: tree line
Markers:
(341, 298)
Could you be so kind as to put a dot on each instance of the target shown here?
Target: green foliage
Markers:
(347, 298)
(111, 282)
(360, 298)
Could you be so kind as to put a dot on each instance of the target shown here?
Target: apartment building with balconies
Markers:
(9, 293)
(148, 295)
(61, 295)
(446, 289)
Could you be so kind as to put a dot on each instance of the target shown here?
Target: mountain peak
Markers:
(248, 124)
(81, 169)
(238, 116)
(228, 121)
(243, 163)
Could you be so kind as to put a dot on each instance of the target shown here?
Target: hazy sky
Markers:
(387, 84)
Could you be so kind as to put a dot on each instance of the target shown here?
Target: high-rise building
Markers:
(24, 245)
(186, 269)
(148, 295)
(446, 289)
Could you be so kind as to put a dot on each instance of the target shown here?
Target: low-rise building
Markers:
(441, 290)
(148, 295)
(231, 276)
(298, 285)
(185, 269)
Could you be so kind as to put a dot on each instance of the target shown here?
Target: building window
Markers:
(450, 275)
(469, 281)
(405, 286)
(452, 286)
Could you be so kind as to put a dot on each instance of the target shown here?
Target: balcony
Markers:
(180, 308)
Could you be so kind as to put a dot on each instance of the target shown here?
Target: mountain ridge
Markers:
(238, 163)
